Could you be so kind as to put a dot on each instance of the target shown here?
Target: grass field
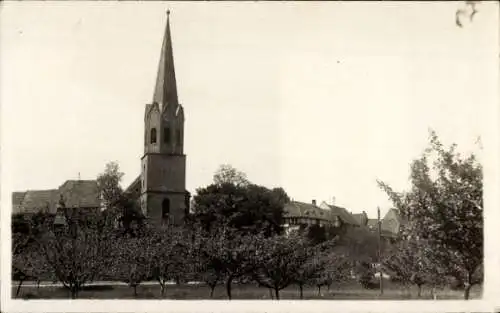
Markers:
(349, 291)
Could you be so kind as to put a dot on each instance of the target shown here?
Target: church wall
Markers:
(154, 209)
(165, 173)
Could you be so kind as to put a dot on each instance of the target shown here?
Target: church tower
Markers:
(163, 173)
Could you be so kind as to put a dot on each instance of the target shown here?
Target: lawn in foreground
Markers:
(247, 291)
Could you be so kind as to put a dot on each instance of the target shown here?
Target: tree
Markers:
(207, 258)
(276, 262)
(444, 208)
(311, 267)
(226, 174)
(133, 260)
(79, 251)
(336, 268)
(249, 209)
(120, 206)
(171, 255)
(224, 254)
(108, 184)
(407, 263)
(27, 261)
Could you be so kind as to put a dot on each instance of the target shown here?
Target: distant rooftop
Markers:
(76, 194)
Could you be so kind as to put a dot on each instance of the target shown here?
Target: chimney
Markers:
(333, 200)
(314, 202)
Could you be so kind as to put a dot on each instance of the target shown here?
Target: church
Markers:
(160, 189)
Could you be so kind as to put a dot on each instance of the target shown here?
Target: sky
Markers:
(320, 98)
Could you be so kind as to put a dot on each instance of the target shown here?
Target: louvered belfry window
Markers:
(153, 135)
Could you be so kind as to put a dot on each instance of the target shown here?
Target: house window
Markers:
(153, 135)
(166, 134)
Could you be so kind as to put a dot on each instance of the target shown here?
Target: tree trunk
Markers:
(468, 286)
(212, 289)
(37, 284)
(74, 293)
(163, 287)
(19, 287)
(419, 291)
(434, 293)
(228, 287)
(319, 290)
(301, 287)
(271, 293)
(135, 291)
(277, 293)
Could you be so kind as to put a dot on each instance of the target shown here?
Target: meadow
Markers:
(151, 290)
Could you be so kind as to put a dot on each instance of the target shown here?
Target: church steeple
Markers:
(166, 87)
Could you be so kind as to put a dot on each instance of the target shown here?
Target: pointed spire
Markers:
(166, 87)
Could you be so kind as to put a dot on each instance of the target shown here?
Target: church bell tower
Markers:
(163, 173)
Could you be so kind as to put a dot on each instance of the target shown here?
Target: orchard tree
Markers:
(79, 251)
(171, 255)
(133, 260)
(444, 207)
(309, 269)
(407, 264)
(226, 174)
(225, 254)
(336, 269)
(276, 261)
(207, 258)
(27, 261)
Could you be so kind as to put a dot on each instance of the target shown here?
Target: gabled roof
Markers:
(392, 221)
(360, 218)
(302, 209)
(76, 194)
(80, 194)
(342, 213)
(33, 201)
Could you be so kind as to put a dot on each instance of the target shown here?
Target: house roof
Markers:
(360, 218)
(302, 209)
(392, 221)
(33, 201)
(80, 194)
(76, 193)
(342, 213)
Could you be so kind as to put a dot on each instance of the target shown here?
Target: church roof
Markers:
(134, 184)
(166, 87)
